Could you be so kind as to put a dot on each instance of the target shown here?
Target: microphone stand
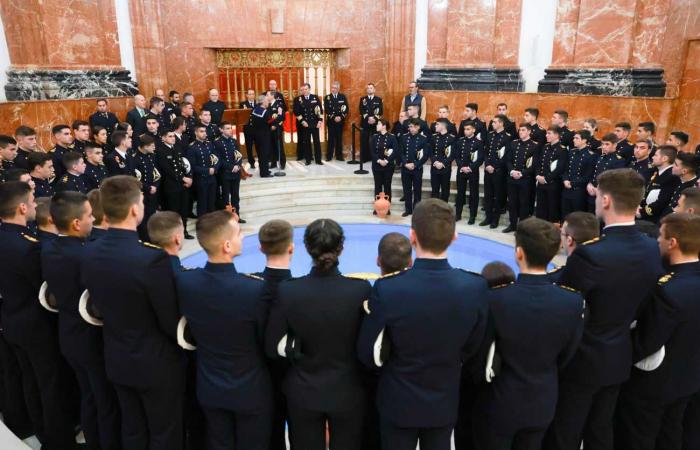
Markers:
(279, 172)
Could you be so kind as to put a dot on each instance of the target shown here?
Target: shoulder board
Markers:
(617, 155)
(148, 244)
(364, 276)
(217, 139)
(665, 279)
(502, 285)
(30, 238)
(506, 133)
(392, 274)
(187, 269)
(556, 269)
(65, 178)
(592, 241)
(450, 134)
(192, 143)
(567, 288)
(253, 276)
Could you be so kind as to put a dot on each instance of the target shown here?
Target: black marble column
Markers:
(43, 84)
(617, 82)
(471, 79)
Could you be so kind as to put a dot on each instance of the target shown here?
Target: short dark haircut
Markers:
(648, 126)
(79, 123)
(275, 236)
(15, 174)
(370, 84)
(211, 228)
(43, 211)
(178, 122)
(152, 117)
(443, 121)
(123, 126)
(118, 194)
(91, 146)
(95, 200)
(474, 106)
(689, 161)
(539, 240)
(609, 137)
(498, 273)
(6, 140)
(563, 114)
(66, 206)
(384, 122)
(592, 122)
(669, 151)
(433, 221)
(171, 93)
(97, 128)
(69, 159)
(161, 227)
(58, 128)
(582, 226)
(146, 140)
(101, 100)
(118, 137)
(624, 186)
(624, 126)
(555, 129)
(414, 121)
(692, 198)
(309, 86)
(35, 159)
(24, 131)
(685, 228)
(584, 134)
(324, 240)
(534, 111)
(502, 104)
(525, 125)
(154, 101)
(224, 123)
(502, 118)
(394, 252)
(469, 123)
(681, 136)
(12, 193)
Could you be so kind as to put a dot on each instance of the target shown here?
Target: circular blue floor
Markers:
(360, 253)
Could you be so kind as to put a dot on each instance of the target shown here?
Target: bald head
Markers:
(140, 101)
(213, 95)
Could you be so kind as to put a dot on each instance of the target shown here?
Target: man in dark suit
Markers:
(248, 103)
(134, 116)
(652, 402)
(537, 329)
(614, 274)
(215, 106)
(419, 379)
(371, 110)
(131, 283)
(103, 117)
(623, 146)
(336, 106)
(233, 383)
(309, 112)
(176, 182)
(662, 185)
(119, 161)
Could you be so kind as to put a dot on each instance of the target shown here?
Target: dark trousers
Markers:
(464, 428)
(440, 183)
(518, 201)
(249, 145)
(494, 189)
(335, 141)
(691, 431)
(14, 407)
(382, 180)
(489, 437)
(206, 195)
(306, 134)
(583, 413)
(549, 203)
(573, 200)
(227, 430)
(278, 371)
(151, 419)
(193, 416)
(262, 144)
(277, 148)
(150, 206)
(309, 428)
(178, 202)
(366, 132)
(641, 426)
(590, 204)
(51, 376)
(230, 192)
(412, 182)
(396, 438)
(99, 409)
(464, 180)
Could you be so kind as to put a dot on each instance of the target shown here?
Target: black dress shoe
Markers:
(340, 159)
(471, 221)
(252, 166)
(319, 163)
(458, 218)
(484, 222)
(405, 214)
(188, 236)
(508, 229)
(329, 159)
(493, 225)
(401, 199)
(374, 213)
(241, 220)
(308, 163)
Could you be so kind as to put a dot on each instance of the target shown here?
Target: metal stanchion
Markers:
(352, 146)
(280, 172)
(361, 170)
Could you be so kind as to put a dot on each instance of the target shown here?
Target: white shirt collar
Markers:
(123, 155)
(665, 169)
(620, 224)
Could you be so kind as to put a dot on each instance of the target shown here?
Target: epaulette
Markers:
(617, 155)
(450, 134)
(664, 279)
(567, 288)
(592, 241)
(505, 132)
(364, 276)
(253, 276)
(65, 178)
(392, 274)
(502, 285)
(556, 269)
(192, 143)
(187, 269)
(30, 238)
(148, 244)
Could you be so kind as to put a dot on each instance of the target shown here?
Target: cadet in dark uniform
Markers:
(249, 103)
(131, 284)
(64, 141)
(212, 128)
(371, 110)
(309, 112)
(95, 170)
(614, 274)
(662, 185)
(336, 106)
(576, 228)
(259, 123)
(551, 165)
(45, 229)
(623, 147)
(41, 170)
(176, 180)
(215, 107)
(609, 159)
(441, 157)
(149, 176)
(509, 125)
(233, 382)
(652, 402)
(444, 113)
(205, 163)
(81, 132)
(150, 128)
(119, 161)
(230, 173)
(8, 154)
(276, 108)
(400, 127)
(72, 180)
(413, 114)
(495, 172)
(81, 344)
(172, 108)
(560, 118)
(537, 328)
(102, 117)
(187, 110)
(318, 334)
(579, 172)
(591, 125)
(415, 151)
(520, 166)
(27, 326)
(646, 131)
(538, 133)
(470, 111)
(642, 163)
(419, 379)
(469, 155)
(385, 150)
(686, 169)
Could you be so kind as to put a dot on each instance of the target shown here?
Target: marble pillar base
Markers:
(471, 79)
(41, 84)
(617, 82)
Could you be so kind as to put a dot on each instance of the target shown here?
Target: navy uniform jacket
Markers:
(481, 133)
(147, 172)
(119, 165)
(226, 315)
(551, 164)
(229, 156)
(216, 109)
(671, 319)
(435, 319)
(71, 182)
(260, 120)
(213, 131)
(414, 149)
(441, 150)
(94, 175)
(509, 126)
(538, 327)
(469, 152)
(60, 262)
(645, 168)
(579, 168)
(245, 104)
(335, 106)
(451, 129)
(399, 129)
(683, 185)
(57, 157)
(496, 148)
(308, 109)
(132, 285)
(25, 322)
(626, 150)
(567, 137)
(322, 312)
(97, 233)
(42, 188)
(171, 165)
(371, 107)
(273, 277)
(424, 128)
(21, 161)
(202, 157)
(659, 195)
(607, 162)
(107, 120)
(520, 155)
(171, 111)
(595, 145)
(615, 274)
(539, 135)
(384, 146)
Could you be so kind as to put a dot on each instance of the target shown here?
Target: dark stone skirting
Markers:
(471, 79)
(617, 82)
(39, 84)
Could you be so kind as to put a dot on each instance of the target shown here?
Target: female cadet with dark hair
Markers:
(314, 324)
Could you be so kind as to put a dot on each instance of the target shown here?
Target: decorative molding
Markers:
(49, 84)
(471, 79)
(246, 58)
(615, 82)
